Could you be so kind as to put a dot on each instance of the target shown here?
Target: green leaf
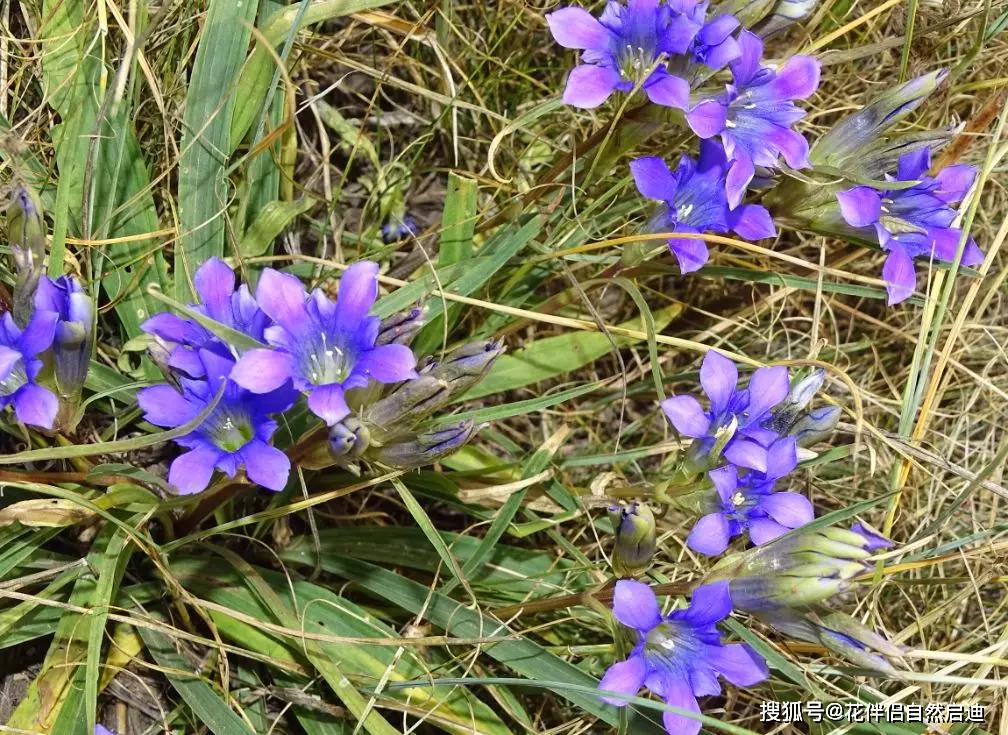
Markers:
(206, 139)
(208, 706)
(554, 356)
(268, 224)
(458, 222)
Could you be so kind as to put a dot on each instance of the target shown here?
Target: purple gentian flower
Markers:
(102, 730)
(622, 46)
(755, 115)
(679, 656)
(236, 434)
(221, 301)
(398, 228)
(749, 503)
(914, 221)
(325, 348)
(20, 366)
(74, 329)
(694, 201)
(714, 45)
(733, 422)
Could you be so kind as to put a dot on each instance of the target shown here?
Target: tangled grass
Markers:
(471, 596)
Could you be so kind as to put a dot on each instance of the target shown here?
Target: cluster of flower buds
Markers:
(248, 358)
(400, 429)
(787, 582)
(47, 338)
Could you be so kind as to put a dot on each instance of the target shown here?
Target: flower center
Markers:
(328, 363)
(635, 61)
(230, 431)
(738, 499)
(667, 644)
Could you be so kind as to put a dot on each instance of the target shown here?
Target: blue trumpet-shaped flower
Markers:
(755, 116)
(20, 366)
(915, 221)
(678, 656)
(73, 336)
(235, 434)
(323, 347)
(624, 47)
(732, 425)
(694, 201)
(749, 503)
(219, 300)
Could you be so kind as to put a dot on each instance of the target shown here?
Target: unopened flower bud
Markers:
(636, 538)
(398, 228)
(348, 438)
(816, 425)
(426, 448)
(841, 634)
(799, 569)
(748, 12)
(857, 138)
(785, 414)
(466, 366)
(401, 327)
(410, 402)
(26, 234)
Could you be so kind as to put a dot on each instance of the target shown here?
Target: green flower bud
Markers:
(416, 450)
(796, 570)
(783, 15)
(636, 539)
(407, 404)
(401, 327)
(349, 438)
(26, 234)
(816, 425)
(786, 413)
(466, 366)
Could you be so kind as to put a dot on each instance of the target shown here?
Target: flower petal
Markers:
(707, 119)
(668, 90)
(710, 535)
(719, 377)
(262, 370)
(709, 604)
(191, 472)
(686, 415)
(635, 605)
(654, 179)
(38, 335)
(575, 27)
(899, 274)
(36, 406)
(914, 164)
(764, 530)
(739, 175)
(767, 387)
(387, 363)
(954, 182)
(678, 693)
(746, 453)
(797, 79)
(752, 222)
(358, 289)
(690, 254)
(725, 481)
(165, 406)
(860, 206)
(738, 663)
(282, 297)
(327, 402)
(9, 357)
(588, 86)
(266, 465)
(747, 64)
(782, 457)
(215, 282)
(624, 677)
(788, 509)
